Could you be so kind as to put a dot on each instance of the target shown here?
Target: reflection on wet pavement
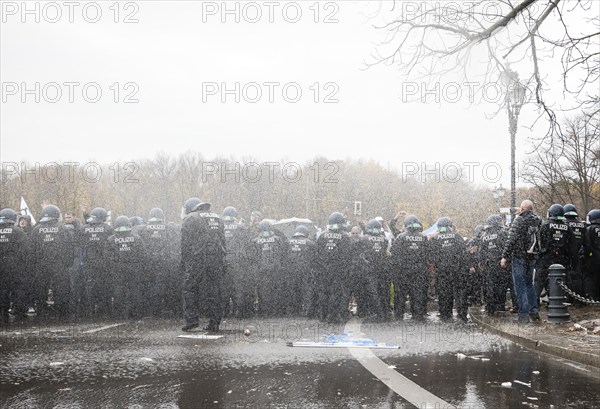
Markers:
(143, 364)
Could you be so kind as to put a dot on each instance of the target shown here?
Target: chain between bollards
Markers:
(575, 295)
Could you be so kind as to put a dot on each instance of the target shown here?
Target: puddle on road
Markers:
(473, 380)
(331, 385)
(480, 380)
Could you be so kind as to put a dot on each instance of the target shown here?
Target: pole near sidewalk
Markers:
(557, 310)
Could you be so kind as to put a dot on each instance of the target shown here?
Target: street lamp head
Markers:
(498, 192)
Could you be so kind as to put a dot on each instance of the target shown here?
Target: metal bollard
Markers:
(557, 310)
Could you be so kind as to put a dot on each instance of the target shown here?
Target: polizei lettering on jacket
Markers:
(99, 229)
(329, 235)
(414, 238)
(155, 227)
(47, 230)
(557, 226)
(205, 214)
(124, 239)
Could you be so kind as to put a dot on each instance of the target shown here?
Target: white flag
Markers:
(26, 212)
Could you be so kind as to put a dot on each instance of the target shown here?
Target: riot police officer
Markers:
(591, 252)
(127, 254)
(474, 275)
(203, 263)
(558, 246)
(159, 279)
(238, 295)
(301, 267)
(334, 264)
(410, 257)
(372, 281)
(52, 248)
(495, 278)
(575, 280)
(94, 287)
(15, 278)
(268, 256)
(448, 250)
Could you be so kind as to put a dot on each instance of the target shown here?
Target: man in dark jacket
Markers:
(127, 254)
(268, 254)
(591, 252)
(523, 263)
(94, 284)
(371, 270)
(203, 263)
(163, 291)
(575, 279)
(559, 246)
(495, 278)
(410, 257)
(53, 253)
(15, 279)
(334, 263)
(449, 252)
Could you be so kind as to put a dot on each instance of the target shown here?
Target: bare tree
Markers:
(568, 169)
(430, 40)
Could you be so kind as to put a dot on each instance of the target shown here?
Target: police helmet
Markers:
(136, 221)
(593, 216)
(412, 222)
(156, 215)
(301, 231)
(229, 213)
(373, 227)
(50, 212)
(265, 228)
(336, 220)
(494, 220)
(122, 223)
(570, 210)
(478, 230)
(556, 212)
(8, 216)
(98, 215)
(193, 204)
(444, 224)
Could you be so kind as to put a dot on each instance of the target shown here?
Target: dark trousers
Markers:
(203, 280)
(446, 283)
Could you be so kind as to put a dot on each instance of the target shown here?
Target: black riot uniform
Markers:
(591, 255)
(495, 278)
(474, 274)
(410, 257)
(159, 279)
(558, 246)
(203, 263)
(301, 269)
(127, 254)
(333, 270)
(94, 287)
(575, 280)
(268, 254)
(237, 284)
(371, 272)
(15, 277)
(448, 250)
(52, 255)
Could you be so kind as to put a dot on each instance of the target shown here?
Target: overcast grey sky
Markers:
(173, 62)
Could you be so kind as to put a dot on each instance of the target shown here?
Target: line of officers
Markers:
(218, 265)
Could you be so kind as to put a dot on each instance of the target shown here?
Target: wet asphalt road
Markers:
(142, 364)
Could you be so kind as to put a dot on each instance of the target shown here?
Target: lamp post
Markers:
(499, 193)
(515, 96)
